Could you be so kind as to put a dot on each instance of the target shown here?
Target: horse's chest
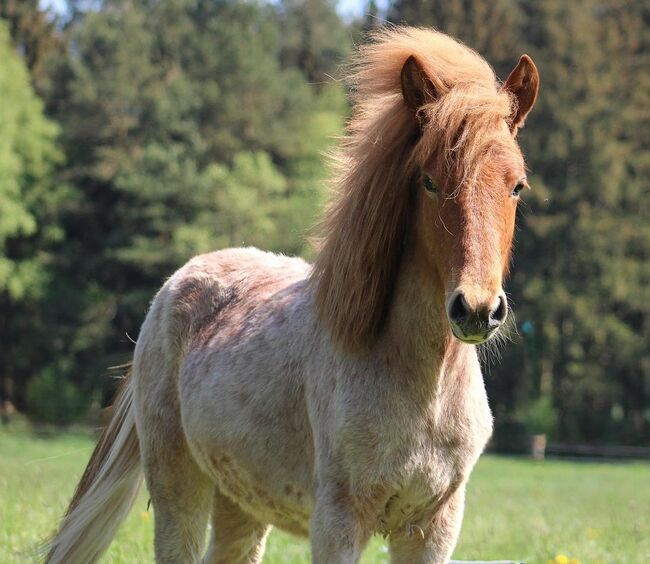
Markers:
(422, 491)
(420, 466)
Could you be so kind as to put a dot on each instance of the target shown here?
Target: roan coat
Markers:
(342, 399)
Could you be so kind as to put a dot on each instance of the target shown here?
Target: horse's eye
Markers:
(429, 186)
(517, 189)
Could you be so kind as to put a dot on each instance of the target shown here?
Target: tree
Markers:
(586, 245)
(314, 39)
(184, 134)
(30, 204)
(33, 32)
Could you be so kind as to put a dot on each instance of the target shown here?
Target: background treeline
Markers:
(135, 134)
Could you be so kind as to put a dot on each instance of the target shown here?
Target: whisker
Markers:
(490, 352)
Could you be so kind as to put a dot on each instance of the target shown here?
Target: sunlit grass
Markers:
(518, 509)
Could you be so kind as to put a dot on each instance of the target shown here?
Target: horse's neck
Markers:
(417, 330)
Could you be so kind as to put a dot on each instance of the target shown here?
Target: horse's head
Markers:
(428, 117)
(469, 173)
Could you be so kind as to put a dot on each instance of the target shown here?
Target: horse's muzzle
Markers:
(475, 325)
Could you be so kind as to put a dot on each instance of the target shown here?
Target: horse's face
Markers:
(467, 208)
(468, 233)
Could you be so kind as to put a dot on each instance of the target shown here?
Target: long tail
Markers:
(106, 492)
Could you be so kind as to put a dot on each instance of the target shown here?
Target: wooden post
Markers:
(538, 447)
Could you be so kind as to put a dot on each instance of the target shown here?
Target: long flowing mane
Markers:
(365, 226)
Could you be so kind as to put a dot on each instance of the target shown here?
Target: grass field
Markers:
(518, 509)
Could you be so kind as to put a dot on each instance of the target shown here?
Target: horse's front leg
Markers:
(337, 534)
(434, 542)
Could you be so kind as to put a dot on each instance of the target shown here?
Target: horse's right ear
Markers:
(417, 88)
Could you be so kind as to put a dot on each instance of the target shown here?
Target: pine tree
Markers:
(33, 32)
(184, 134)
(30, 206)
(314, 38)
(587, 243)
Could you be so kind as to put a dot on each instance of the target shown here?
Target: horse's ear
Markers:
(523, 84)
(417, 88)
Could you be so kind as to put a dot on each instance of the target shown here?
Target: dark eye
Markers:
(517, 189)
(429, 186)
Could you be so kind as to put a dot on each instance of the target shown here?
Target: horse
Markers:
(344, 398)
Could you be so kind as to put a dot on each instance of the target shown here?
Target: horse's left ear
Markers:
(417, 88)
(523, 84)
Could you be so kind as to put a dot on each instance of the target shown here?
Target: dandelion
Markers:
(563, 559)
(145, 515)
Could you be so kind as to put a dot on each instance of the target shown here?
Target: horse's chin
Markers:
(472, 339)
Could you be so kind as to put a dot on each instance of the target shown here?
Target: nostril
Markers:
(459, 309)
(500, 312)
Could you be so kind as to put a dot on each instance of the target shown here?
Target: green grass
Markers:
(516, 508)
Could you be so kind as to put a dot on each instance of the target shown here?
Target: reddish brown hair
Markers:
(364, 228)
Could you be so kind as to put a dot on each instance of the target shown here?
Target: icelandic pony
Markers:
(345, 398)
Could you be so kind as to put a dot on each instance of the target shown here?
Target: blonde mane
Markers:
(364, 228)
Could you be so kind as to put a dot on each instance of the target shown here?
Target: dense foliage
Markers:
(154, 130)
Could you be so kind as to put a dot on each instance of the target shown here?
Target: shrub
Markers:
(540, 417)
(52, 398)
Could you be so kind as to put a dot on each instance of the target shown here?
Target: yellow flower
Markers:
(145, 515)
(563, 559)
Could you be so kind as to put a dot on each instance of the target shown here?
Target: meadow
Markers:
(537, 512)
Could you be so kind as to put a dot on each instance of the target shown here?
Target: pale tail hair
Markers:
(105, 493)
